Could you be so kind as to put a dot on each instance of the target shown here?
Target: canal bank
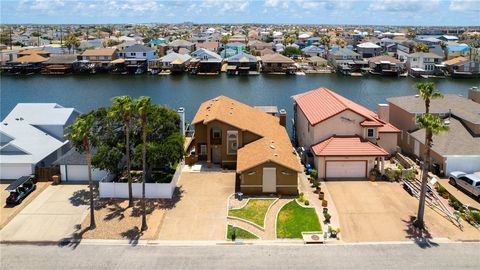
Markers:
(86, 92)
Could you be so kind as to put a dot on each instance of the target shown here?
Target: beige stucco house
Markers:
(256, 144)
(346, 139)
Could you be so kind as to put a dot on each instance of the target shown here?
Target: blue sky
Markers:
(382, 12)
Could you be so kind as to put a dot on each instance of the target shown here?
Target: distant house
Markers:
(428, 40)
(345, 60)
(369, 49)
(265, 52)
(448, 38)
(33, 135)
(462, 67)
(259, 45)
(346, 139)
(233, 48)
(405, 48)
(253, 142)
(180, 43)
(455, 150)
(238, 38)
(313, 41)
(102, 56)
(317, 62)
(277, 63)
(174, 62)
(209, 45)
(60, 63)
(205, 61)
(28, 62)
(138, 51)
(313, 50)
(242, 64)
(454, 51)
(421, 63)
(385, 65)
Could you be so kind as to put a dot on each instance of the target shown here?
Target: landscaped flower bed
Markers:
(240, 233)
(294, 219)
(254, 211)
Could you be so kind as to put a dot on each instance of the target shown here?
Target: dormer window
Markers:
(370, 133)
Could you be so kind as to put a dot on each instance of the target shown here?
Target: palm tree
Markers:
(143, 108)
(122, 108)
(432, 125)
(72, 42)
(37, 35)
(82, 135)
(421, 47)
(325, 40)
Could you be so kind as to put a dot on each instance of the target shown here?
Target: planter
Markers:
(324, 203)
(373, 178)
(321, 195)
(56, 179)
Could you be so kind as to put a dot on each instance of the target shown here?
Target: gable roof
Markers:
(174, 56)
(320, 104)
(424, 55)
(276, 58)
(347, 146)
(30, 58)
(99, 52)
(180, 42)
(204, 52)
(242, 57)
(138, 48)
(455, 60)
(274, 144)
(368, 45)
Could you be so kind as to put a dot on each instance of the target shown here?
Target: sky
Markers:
(367, 12)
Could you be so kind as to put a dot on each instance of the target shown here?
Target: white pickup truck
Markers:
(468, 182)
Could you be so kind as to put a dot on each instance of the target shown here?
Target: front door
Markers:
(216, 154)
(269, 184)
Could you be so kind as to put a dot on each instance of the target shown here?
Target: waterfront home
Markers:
(265, 52)
(138, 51)
(209, 45)
(59, 64)
(455, 150)
(454, 51)
(462, 67)
(174, 62)
(254, 143)
(73, 167)
(368, 49)
(100, 57)
(385, 65)
(346, 61)
(346, 139)
(33, 135)
(233, 48)
(317, 62)
(428, 40)
(277, 63)
(421, 63)
(447, 38)
(405, 48)
(26, 64)
(176, 44)
(41, 53)
(205, 61)
(242, 64)
(313, 50)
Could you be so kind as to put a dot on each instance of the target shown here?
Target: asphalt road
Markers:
(365, 256)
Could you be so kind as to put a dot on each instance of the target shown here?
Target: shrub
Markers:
(327, 216)
(316, 184)
(307, 202)
(314, 174)
(301, 194)
(442, 191)
(475, 216)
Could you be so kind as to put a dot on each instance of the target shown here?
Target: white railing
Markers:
(109, 189)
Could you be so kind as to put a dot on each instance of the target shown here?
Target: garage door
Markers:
(14, 171)
(80, 173)
(346, 169)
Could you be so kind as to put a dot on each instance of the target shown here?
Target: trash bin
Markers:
(56, 179)
(436, 168)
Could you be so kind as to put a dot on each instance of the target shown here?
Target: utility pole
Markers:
(10, 36)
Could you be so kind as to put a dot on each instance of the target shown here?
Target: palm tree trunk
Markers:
(419, 222)
(144, 173)
(129, 175)
(90, 183)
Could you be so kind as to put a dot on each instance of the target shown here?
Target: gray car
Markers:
(468, 182)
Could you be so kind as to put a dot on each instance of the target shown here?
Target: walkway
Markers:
(269, 232)
(459, 194)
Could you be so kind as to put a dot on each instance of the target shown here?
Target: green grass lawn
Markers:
(241, 233)
(254, 211)
(293, 220)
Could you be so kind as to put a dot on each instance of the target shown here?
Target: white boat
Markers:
(301, 73)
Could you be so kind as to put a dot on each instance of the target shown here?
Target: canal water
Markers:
(87, 92)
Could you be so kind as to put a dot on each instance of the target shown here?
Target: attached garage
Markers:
(73, 168)
(14, 171)
(346, 169)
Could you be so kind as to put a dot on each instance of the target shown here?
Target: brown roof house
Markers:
(277, 63)
(455, 150)
(235, 135)
(346, 139)
(99, 55)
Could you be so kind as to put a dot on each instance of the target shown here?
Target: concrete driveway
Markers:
(51, 216)
(200, 210)
(381, 211)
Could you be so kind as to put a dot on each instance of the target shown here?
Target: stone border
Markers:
(226, 233)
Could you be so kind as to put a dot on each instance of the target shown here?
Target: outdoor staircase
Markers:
(432, 199)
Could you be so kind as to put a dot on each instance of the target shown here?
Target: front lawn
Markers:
(241, 233)
(254, 211)
(293, 220)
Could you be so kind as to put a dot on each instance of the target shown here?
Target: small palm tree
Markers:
(143, 107)
(325, 40)
(432, 125)
(122, 108)
(82, 135)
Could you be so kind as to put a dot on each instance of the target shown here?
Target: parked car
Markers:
(468, 182)
(20, 189)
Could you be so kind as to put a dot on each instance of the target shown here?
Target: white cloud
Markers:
(403, 5)
(226, 5)
(276, 3)
(465, 5)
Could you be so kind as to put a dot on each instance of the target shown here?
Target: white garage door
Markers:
(14, 171)
(80, 173)
(346, 169)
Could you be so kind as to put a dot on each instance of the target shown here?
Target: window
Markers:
(216, 133)
(144, 54)
(370, 133)
(133, 54)
(203, 149)
(232, 142)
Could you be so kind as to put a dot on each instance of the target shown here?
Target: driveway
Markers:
(200, 212)
(381, 211)
(51, 216)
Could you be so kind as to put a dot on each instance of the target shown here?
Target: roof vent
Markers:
(446, 122)
(275, 154)
(5, 124)
(417, 96)
(272, 146)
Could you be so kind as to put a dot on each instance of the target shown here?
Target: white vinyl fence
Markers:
(152, 190)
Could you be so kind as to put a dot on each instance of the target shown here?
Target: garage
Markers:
(346, 169)
(76, 173)
(14, 171)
